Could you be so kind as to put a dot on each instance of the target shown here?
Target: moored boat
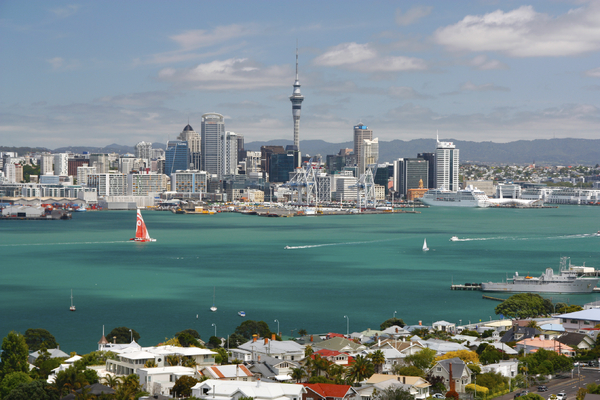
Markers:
(242, 313)
(469, 197)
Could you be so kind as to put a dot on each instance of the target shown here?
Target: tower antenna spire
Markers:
(296, 59)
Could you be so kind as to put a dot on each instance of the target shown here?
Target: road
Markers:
(567, 385)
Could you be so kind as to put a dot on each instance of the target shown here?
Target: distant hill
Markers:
(542, 151)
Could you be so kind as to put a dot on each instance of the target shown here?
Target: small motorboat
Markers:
(454, 239)
(287, 247)
(242, 313)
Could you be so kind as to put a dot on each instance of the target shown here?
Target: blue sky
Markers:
(101, 72)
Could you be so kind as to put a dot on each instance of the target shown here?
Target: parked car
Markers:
(542, 388)
(521, 393)
(438, 396)
(561, 396)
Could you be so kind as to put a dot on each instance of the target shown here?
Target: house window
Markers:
(573, 321)
(586, 322)
(438, 368)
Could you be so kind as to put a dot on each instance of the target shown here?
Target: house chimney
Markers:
(311, 338)
(266, 340)
(420, 323)
(452, 383)
(273, 336)
(254, 337)
(396, 330)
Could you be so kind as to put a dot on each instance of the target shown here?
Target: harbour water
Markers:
(365, 267)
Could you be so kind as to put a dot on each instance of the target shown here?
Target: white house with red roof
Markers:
(334, 356)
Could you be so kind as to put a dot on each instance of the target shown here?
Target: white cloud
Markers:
(405, 92)
(66, 11)
(412, 15)
(525, 33)
(59, 63)
(145, 99)
(483, 63)
(364, 58)
(230, 74)
(594, 73)
(486, 87)
(197, 38)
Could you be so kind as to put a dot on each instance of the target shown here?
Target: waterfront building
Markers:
(281, 165)
(296, 98)
(193, 139)
(108, 184)
(506, 191)
(430, 158)
(417, 193)
(176, 156)
(213, 128)
(343, 183)
(46, 164)
(146, 184)
(447, 166)
(229, 154)
(324, 187)
(265, 155)
(77, 161)
(191, 183)
(361, 133)
(486, 187)
(574, 196)
(83, 172)
(408, 172)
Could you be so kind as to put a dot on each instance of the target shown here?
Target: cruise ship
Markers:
(469, 197)
(569, 280)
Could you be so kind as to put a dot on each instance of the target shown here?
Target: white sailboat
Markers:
(213, 308)
(425, 248)
(72, 308)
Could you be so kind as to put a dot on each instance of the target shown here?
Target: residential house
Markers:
(272, 369)
(442, 347)
(54, 353)
(444, 326)
(283, 350)
(334, 356)
(396, 332)
(461, 374)
(328, 391)
(578, 340)
(340, 344)
(161, 380)
(232, 372)
(416, 385)
(517, 333)
(214, 389)
(533, 345)
(507, 368)
(392, 356)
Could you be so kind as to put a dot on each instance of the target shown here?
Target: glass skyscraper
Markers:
(176, 157)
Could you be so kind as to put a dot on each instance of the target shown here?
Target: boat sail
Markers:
(72, 308)
(141, 233)
(425, 248)
(213, 308)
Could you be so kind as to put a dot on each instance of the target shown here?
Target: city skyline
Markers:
(95, 73)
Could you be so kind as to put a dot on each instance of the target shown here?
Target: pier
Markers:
(466, 286)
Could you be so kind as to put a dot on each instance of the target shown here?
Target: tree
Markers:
(487, 333)
(250, 327)
(378, 359)
(14, 354)
(422, 359)
(222, 357)
(214, 342)
(194, 333)
(361, 369)
(490, 355)
(236, 340)
(565, 309)
(123, 335)
(469, 357)
(302, 332)
(392, 393)
(409, 370)
(187, 340)
(524, 306)
(298, 374)
(45, 364)
(36, 337)
(11, 381)
(319, 379)
(112, 381)
(532, 396)
(183, 386)
(481, 391)
(437, 383)
(32, 390)
(391, 322)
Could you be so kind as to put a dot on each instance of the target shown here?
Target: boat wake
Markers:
(578, 236)
(333, 244)
(59, 244)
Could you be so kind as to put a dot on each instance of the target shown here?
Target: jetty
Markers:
(466, 286)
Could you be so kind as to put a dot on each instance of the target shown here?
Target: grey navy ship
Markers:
(572, 279)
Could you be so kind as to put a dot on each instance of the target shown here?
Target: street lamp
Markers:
(215, 325)
(277, 326)
(395, 314)
(131, 332)
(347, 325)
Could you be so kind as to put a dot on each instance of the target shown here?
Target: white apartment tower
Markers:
(46, 164)
(446, 166)
(361, 132)
(143, 150)
(61, 164)
(369, 154)
(229, 154)
(212, 131)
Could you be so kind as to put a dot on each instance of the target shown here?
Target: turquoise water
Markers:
(362, 266)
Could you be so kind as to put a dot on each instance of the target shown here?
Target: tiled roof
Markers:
(329, 389)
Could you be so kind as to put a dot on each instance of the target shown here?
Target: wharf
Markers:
(466, 286)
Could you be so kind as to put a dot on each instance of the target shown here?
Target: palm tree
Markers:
(308, 351)
(320, 364)
(150, 364)
(361, 369)
(378, 359)
(302, 332)
(336, 373)
(173, 360)
(111, 381)
(298, 374)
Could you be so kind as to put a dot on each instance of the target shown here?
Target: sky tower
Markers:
(296, 98)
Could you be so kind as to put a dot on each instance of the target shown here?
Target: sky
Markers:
(93, 73)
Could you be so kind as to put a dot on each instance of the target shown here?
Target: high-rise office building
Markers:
(193, 139)
(408, 173)
(296, 98)
(361, 132)
(176, 157)
(369, 155)
(229, 154)
(61, 164)
(446, 166)
(143, 150)
(240, 147)
(430, 157)
(213, 128)
(100, 161)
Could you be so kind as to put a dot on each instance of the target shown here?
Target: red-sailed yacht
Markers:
(141, 233)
